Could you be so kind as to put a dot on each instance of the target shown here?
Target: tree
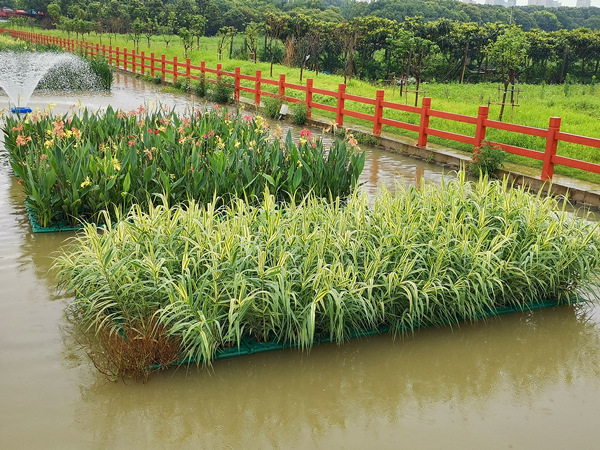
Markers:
(187, 40)
(67, 25)
(54, 12)
(168, 29)
(274, 28)
(509, 53)
(466, 36)
(137, 29)
(546, 20)
(252, 30)
(150, 29)
(198, 28)
(420, 48)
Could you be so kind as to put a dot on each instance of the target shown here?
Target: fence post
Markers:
(133, 60)
(152, 67)
(163, 62)
(340, 105)
(281, 85)
(309, 94)
(480, 129)
(257, 89)
(219, 67)
(175, 71)
(143, 63)
(110, 52)
(551, 148)
(425, 107)
(118, 58)
(236, 93)
(188, 71)
(98, 49)
(378, 112)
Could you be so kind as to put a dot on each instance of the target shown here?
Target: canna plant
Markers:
(214, 277)
(76, 165)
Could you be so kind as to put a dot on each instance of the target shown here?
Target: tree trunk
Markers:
(503, 100)
(464, 65)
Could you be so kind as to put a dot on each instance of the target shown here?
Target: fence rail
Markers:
(140, 63)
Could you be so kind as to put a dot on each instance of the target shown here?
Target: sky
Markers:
(572, 3)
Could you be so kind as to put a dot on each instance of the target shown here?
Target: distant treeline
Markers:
(446, 40)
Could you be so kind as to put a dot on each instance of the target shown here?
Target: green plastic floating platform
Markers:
(249, 346)
(58, 226)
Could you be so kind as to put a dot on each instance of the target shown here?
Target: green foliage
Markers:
(299, 113)
(272, 106)
(73, 166)
(182, 84)
(199, 87)
(567, 85)
(487, 159)
(315, 269)
(103, 71)
(220, 92)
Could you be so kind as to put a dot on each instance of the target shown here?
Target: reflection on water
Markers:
(529, 380)
(367, 386)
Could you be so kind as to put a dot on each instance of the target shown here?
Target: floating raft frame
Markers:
(56, 227)
(249, 346)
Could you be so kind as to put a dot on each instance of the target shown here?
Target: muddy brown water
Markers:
(527, 380)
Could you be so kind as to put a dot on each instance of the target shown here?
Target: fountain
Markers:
(21, 72)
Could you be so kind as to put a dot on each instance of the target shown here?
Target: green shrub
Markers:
(199, 88)
(299, 113)
(272, 106)
(182, 84)
(487, 159)
(220, 92)
(103, 71)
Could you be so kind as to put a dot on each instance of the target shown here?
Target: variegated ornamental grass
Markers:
(315, 269)
(74, 166)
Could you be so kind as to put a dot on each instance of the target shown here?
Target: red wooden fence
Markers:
(150, 65)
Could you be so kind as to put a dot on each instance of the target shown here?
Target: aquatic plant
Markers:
(316, 269)
(75, 165)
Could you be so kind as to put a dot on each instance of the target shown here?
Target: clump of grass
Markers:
(315, 269)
